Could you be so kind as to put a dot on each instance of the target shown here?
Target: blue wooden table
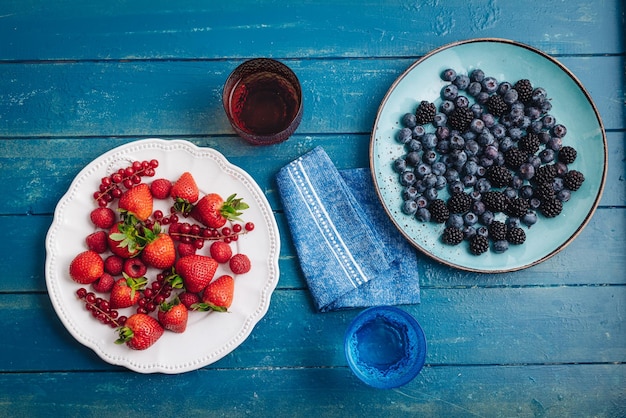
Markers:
(78, 78)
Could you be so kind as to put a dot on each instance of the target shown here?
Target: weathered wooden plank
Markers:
(463, 326)
(489, 391)
(603, 241)
(46, 167)
(147, 98)
(146, 29)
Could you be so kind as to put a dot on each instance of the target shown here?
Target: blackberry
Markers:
(498, 230)
(499, 176)
(439, 211)
(460, 119)
(551, 207)
(459, 203)
(515, 157)
(516, 235)
(479, 244)
(496, 105)
(573, 179)
(543, 191)
(425, 112)
(452, 235)
(545, 174)
(567, 154)
(495, 201)
(524, 90)
(518, 207)
(530, 143)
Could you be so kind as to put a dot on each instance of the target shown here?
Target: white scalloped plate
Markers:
(504, 60)
(209, 336)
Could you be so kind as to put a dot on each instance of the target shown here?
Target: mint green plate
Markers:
(572, 106)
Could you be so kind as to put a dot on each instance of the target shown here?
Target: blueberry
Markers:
(409, 193)
(500, 246)
(547, 155)
(418, 131)
(455, 220)
(555, 143)
(451, 175)
(482, 185)
(477, 125)
(527, 171)
(423, 215)
(529, 219)
(557, 184)
(477, 75)
(525, 122)
(561, 168)
(409, 120)
(421, 201)
(443, 146)
(481, 171)
(448, 75)
(517, 182)
(422, 169)
(534, 203)
(462, 81)
(470, 218)
(449, 92)
(478, 207)
(498, 131)
(440, 120)
(474, 89)
(510, 192)
(457, 142)
(477, 110)
(471, 147)
(486, 218)
(438, 168)
(429, 157)
(469, 136)
(399, 165)
(549, 121)
(526, 191)
(429, 180)
(504, 87)
(513, 222)
(482, 231)
(539, 94)
(471, 167)
(482, 97)
(469, 180)
(559, 131)
(414, 145)
(447, 106)
(459, 158)
(506, 144)
(488, 119)
(486, 138)
(546, 106)
(461, 102)
(441, 183)
(469, 232)
(413, 158)
(407, 178)
(544, 137)
(533, 113)
(535, 127)
(442, 132)
(534, 160)
(429, 140)
(419, 186)
(510, 97)
(490, 152)
(485, 161)
(409, 207)
(515, 133)
(404, 135)
(490, 84)
(455, 186)
(431, 194)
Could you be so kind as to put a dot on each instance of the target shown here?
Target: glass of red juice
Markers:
(263, 101)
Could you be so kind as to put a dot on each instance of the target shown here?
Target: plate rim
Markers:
(567, 72)
(265, 290)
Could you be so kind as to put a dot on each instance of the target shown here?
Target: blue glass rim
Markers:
(414, 364)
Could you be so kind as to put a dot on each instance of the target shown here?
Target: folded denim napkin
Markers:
(350, 252)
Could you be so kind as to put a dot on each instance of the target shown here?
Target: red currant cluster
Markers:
(196, 235)
(156, 294)
(111, 186)
(100, 309)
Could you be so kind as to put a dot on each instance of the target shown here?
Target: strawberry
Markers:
(188, 299)
(218, 295)
(173, 316)
(197, 271)
(126, 292)
(139, 332)
(239, 264)
(213, 211)
(97, 241)
(185, 192)
(103, 217)
(220, 251)
(123, 240)
(137, 201)
(160, 188)
(104, 284)
(86, 267)
(159, 250)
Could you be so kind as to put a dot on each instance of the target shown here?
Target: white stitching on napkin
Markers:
(325, 225)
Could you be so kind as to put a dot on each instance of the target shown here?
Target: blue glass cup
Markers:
(385, 347)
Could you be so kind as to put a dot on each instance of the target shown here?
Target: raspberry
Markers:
(239, 264)
(452, 235)
(188, 299)
(220, 251)
(103, 218)
(160, 188)
(97, 241)
(104, 284)
(114, 265)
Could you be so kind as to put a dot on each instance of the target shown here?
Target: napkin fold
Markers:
(350, 252)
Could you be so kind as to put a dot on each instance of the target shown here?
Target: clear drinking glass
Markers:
(385, 347)
(263, 101)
